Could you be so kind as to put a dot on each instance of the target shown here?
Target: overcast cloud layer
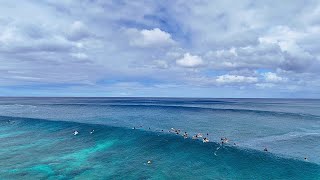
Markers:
(160, 48)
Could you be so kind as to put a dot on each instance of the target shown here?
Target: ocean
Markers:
(132, 138)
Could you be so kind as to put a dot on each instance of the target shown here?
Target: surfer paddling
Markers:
(205, 140)
(185, 135)
(224, 140)
(199, 135)
(176, 131)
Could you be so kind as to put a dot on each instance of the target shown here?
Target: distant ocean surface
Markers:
(37, 141)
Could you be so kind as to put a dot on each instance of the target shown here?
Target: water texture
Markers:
(37, 141)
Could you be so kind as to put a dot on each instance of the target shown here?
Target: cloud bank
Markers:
(168, 48)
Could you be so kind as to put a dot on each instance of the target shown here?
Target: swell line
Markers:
(195, 108)
(212, 144)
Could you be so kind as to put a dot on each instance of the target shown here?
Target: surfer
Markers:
(224, 140)
(195, 137)
(176, 131)
(265, 149)
(173, 130)
(75, 133)
(185, 135)
(10, 122)
(205, 140)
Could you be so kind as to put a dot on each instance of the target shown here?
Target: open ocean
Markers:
(37, 141)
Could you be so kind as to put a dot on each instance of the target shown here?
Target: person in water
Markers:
(75, 133)
(91, 132)
(224, 140)
(185, 135)
(172, 130)
(265, 149)
(199, 135)
(10, 122)
(205, 140)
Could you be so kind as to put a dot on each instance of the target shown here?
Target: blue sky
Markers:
(200, 48)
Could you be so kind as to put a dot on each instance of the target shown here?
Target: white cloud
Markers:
(149, 41)
(190, 61)
(273, 77)
(264, 85)
(234, 79)
(149, 38)
(78, 30)
(79, 55)
(247, 57)
(161, 64)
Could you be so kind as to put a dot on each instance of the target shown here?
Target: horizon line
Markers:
(159, 97)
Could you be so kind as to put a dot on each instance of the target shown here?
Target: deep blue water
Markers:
(36, 139)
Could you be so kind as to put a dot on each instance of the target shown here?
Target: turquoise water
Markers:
(37, 141)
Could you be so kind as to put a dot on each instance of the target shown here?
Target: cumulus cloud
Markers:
(150, 43)
(234, 79)
(265, 85)
(17, 39)
(78, 31)
(247, 57)
(273, 77)
(190, 61)
(148, 38)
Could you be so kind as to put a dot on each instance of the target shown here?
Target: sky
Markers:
(163, 48)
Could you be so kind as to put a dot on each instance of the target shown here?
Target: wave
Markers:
(197, 108)
(18, 105)
(213, 146)
(48, 149)
(282, 137)
(192, 108)
(261, 112)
